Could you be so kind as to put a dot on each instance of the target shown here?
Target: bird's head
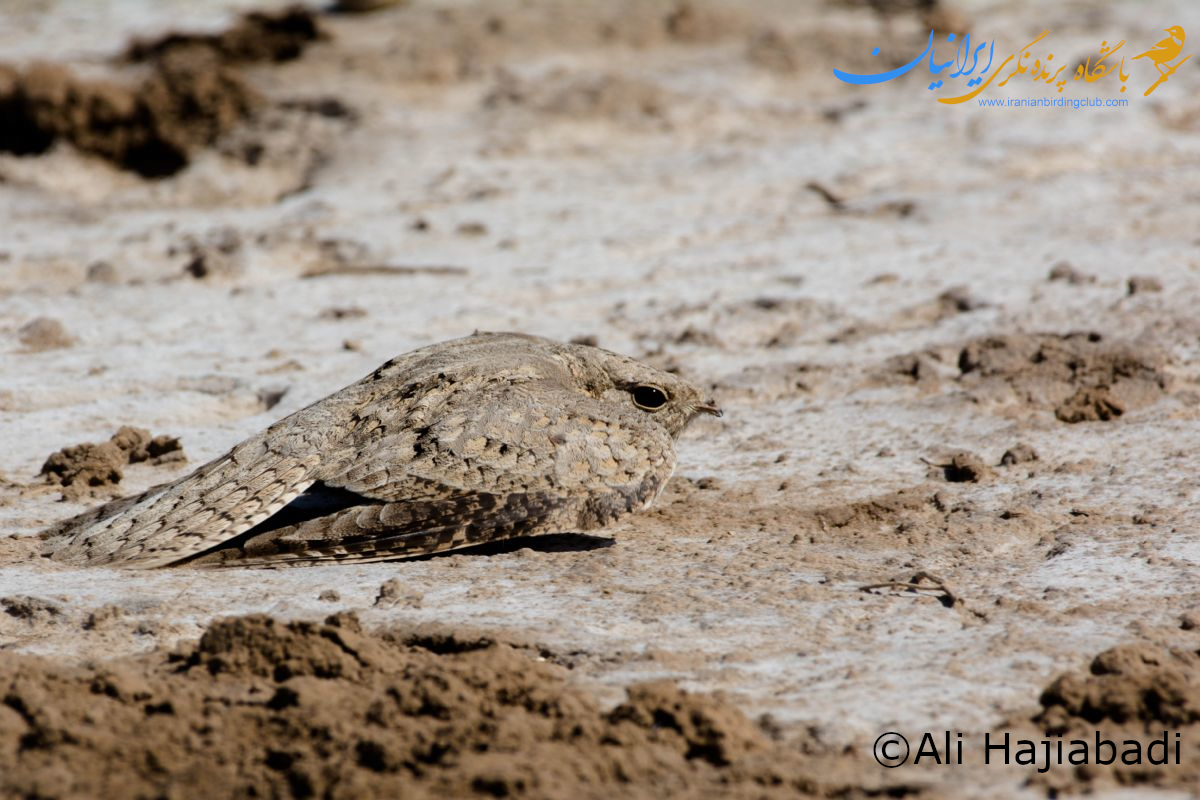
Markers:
(1176, 32)
(666, 398)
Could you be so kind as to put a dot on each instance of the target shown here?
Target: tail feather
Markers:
(195, 513)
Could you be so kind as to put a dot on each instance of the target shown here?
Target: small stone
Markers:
(472, 229)
(44, 333)
(1148, 516)
(343, 312)
(966, 467)
(101, 272)
(272, 396)
(1142, 284)
(1018, 454)
(1066, 272)
(390, 592)
(215, 257)
(102, 617)
(958, 300)
(394, 592)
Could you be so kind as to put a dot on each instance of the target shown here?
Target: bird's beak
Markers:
(710, 407)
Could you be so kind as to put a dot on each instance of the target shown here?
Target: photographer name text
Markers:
(946, 748)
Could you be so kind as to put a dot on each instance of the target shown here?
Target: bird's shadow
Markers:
(543, 543)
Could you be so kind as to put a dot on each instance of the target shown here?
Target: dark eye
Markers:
(649, 398)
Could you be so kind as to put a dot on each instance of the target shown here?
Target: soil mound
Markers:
(1128, 685)
(187, 102)
(1082, 377)
(260, 708)
(191, 97)
(1129, 693)
(257, 36)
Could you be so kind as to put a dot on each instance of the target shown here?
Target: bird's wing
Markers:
(216, 502)
(385, 531)
(515, 463)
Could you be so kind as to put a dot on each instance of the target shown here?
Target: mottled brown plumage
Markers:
(483, 438)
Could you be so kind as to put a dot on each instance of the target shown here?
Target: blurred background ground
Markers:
(956, 346)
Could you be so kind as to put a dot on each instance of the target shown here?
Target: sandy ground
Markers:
(625, 172)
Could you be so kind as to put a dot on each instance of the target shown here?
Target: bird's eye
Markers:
(649, 398)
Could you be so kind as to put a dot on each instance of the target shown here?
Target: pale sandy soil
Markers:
(650, 190)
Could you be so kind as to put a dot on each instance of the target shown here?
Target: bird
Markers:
(1167, 49)
(473, 440)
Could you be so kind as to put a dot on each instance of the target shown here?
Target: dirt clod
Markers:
(703, 727)
(1080, 376)
(1090, 404)
(216, 254)
(395, 592)
(1143, 284)
(152, 128)
(1066, 272)
(257, 36)
(102, 617)
(31, 609)
(958, 300)
(44, 333)
(102, 272)
(342, 312)
(965, 468)
(1018, 454)
(86, 465)
(81, 468)
(139, 446)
